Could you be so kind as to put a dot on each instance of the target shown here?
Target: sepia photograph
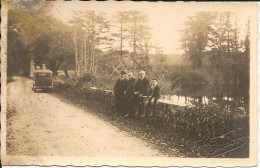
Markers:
(129, 83)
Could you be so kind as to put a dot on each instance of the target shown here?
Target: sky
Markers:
(166, 19)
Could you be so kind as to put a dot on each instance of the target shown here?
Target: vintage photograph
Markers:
(128, 83)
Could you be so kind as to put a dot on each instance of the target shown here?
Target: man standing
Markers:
(119, 89)
(141, 89)
(130, 94)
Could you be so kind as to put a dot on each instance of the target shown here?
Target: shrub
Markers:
(86, 78)
(211, 126)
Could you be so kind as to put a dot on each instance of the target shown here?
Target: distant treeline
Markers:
(213, 43)
(88, 43)
(98, 46)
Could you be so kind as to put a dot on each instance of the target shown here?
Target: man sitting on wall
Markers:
(153, 96)
(141, 91)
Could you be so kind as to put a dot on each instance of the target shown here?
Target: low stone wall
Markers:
(164, 111)
(208, 127)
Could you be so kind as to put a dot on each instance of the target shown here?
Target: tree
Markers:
(247, 40)
(22, 33)
(225, 47)
(211, 40)
(77, 30)
(40, 37)
(122, 18)
(245, 60)
(138, 37)
(138, 23)
(61, 49)
(145, 45)
(94, 36)
(195, 37)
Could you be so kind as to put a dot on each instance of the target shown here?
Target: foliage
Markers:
(212, 40)
(91, 34)
(37, 36)
(121, 18)
(195, 37)
(188, 79)
(86, 78)
(212, 126)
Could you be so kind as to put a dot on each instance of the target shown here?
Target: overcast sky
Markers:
(165, 18)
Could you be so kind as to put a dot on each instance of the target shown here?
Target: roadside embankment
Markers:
(201, 130)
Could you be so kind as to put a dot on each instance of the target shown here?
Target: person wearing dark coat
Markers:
(129, 93)
(141, 89)
(153, 96)
(119, 89)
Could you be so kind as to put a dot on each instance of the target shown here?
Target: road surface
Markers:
(40, 124)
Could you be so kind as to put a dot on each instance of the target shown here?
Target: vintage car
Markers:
(42, 80)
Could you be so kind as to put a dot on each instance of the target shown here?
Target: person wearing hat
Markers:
(119, 88)
(129, 93)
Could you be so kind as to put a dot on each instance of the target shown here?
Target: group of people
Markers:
(133, 95)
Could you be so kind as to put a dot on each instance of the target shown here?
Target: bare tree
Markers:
(138, 23)
(122, 18)
(94, 33)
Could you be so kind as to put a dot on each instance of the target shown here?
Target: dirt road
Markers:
(39, 124)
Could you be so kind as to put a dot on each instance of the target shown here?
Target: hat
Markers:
(123, 72)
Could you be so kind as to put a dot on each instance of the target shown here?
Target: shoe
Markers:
(126, 115)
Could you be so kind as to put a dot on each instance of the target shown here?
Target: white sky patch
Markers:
(166, 19)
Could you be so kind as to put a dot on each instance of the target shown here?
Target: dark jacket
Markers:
(142, 86)
(130, 86)
(120, 87)
(155, 92)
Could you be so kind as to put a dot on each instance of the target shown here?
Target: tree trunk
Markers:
(52, 66)
(89, 59)
(93, 58)
(93, 54)
(57, 66)
(85, 55)
(82, 55)
(121, 45)
(134, 38)
(95, 70)
(66, 70)
(76, 53)
(92, 47)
